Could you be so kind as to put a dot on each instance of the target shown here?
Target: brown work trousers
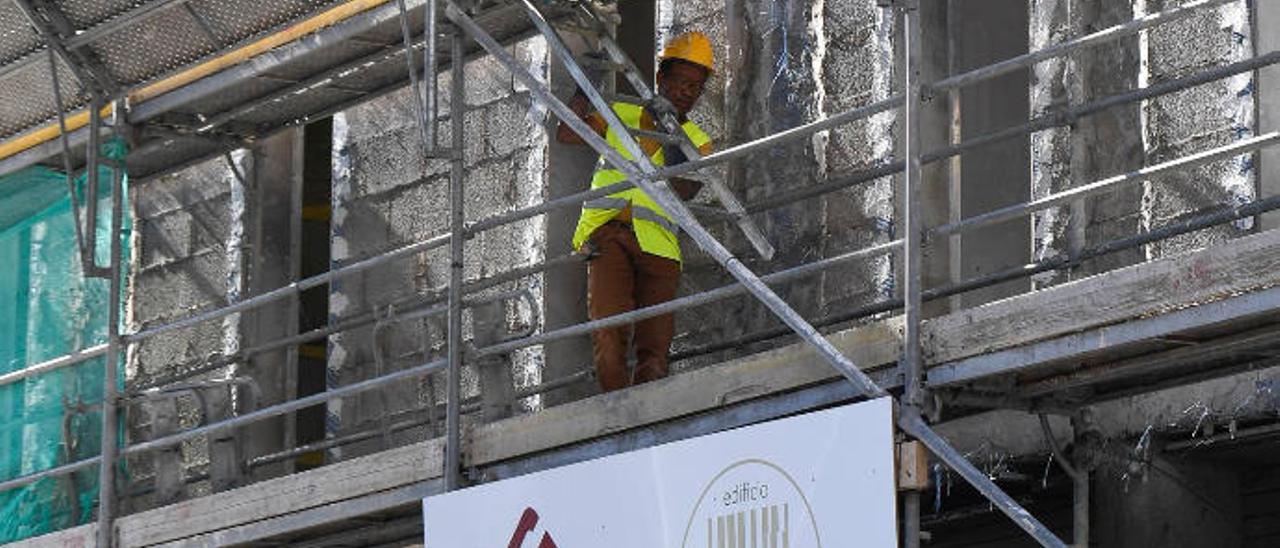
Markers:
(621, 278)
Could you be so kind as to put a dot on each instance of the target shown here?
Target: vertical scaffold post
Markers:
(453, 405)
(107, 467)
(430, 59)
(89, 259)
(913, 278)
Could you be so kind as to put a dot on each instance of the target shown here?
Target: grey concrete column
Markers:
(996, 175)
(272, 226)
(942, 181)
(569, 169)
(1266, 25)
(1096, 73)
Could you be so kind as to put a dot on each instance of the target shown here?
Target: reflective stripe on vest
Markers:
(637, 211)
(657, 235)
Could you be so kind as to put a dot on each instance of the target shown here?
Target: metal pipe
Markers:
(291, 289)
(405, 425)
(777, 139)
(1221, 216)
(54, 364)
(1056, 449)
(457, 174)
(110, 452)
(644, 173)
(1080, 510)
(1107, 185)
(1098, 38)
(428, 307)
(913, 276)
(66, 157)
(914, 425)
(50, 473)
(418, 109)
(470, 407)
(139, 14)
(333, 73)
(911, 364)
(88, 254)
(1067, 117)
(911, 519)
(688, 301)
(417, 308)
(581, 376)
(786, 198)
(782, 137)
(54, 42)
(429, 63)
(544, 207)
(287, 407)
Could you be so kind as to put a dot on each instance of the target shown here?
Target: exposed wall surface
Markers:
(188, 232)
(785, 64)
(184, 225)
(1123, 138)
(207, 237)
(1067, 157)
(387, 195)
(1198, 119)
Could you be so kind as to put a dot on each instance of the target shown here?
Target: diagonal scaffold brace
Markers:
(645, 174)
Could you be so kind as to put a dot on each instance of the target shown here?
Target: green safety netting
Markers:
(48, 308)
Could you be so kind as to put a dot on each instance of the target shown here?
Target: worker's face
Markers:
(682, 83)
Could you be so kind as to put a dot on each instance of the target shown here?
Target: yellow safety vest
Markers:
(655, 231)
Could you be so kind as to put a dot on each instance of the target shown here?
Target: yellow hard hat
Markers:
(693, 47)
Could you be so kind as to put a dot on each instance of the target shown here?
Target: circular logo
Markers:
(752, 503)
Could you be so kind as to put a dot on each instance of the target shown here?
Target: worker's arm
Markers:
(685, 188)
(582, 109)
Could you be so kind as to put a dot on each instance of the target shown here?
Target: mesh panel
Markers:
(158, 45)
(17, 38)
(87, 13)
(57, 310)
(235, 20)
(28, 94)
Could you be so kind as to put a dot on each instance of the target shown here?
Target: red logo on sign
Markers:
(529, 520)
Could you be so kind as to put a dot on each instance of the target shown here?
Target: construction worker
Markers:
(631, 243)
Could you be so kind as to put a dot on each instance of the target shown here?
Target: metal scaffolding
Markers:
(642, 173)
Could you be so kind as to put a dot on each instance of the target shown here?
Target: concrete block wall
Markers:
(387, 195)
(1208, 116)
(1128, 137)
(207, 237)
(185, 224)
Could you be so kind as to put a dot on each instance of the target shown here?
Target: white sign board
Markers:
(823, 479)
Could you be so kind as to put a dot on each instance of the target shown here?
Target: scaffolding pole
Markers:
(110, 431)
(910, 366)
(457, 175)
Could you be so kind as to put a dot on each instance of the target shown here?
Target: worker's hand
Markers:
(686, 189)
